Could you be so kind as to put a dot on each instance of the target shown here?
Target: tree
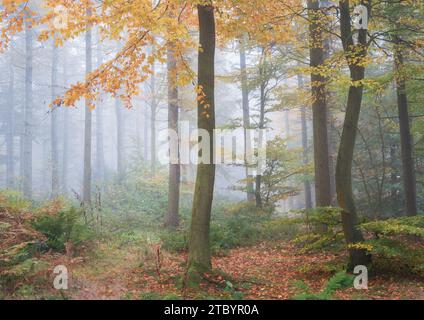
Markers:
(10, 135)
(246, 116)
(65, 130)
(199, 258)
(54, 124)
(264, 80)
(281, 165)
(26, 161)
(319, 106)
(355, 54)
(120, 139)
(86, 193)
(305, 148)
(172, 219)
(153, 111)
(408, 165)
(100, 157)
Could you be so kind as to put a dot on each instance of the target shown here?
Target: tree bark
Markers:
(146, 120)
(199, 258)
(319, 107)
(54, 124)
(394, 178)
(88, 124)
(100, 157)
(350, 221)
(27, 138)
(153, 122)
(10, 135)
(66, 121)
(246, 118)
(305, 148)
(408, 164)
(262, 73)
(172, 219)
(120, 139)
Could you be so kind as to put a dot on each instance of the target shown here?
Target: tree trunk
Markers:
(290, 200)
(120, 139)
(54, 124)
(246, 117)
(199, 258)
(305, 147)
(146, 134)
(350, 222)
(394, 178)
(100, 157)
(66, 120)
(138, 133)
(258, 180)
(153, 122)
(172, 219)
(332, 147)
(10, 135)
(88, 125)
(319, 108)
(408, 165)
(27, 139)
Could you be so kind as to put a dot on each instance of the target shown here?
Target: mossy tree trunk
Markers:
(199, 258)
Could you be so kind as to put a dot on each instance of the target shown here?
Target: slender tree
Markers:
(10, 134)
(263, 98)
(100, 157)
(120, 138)
(172, 219)
(146, 134)
(54, 124)
(87, 123)
(65, 129)
(319, 106)
(246, 116)
(153, 111)
(305, 147)
(28, 121)
(354, 53)
(199, 258)
(408, 164)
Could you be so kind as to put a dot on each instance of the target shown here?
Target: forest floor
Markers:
(265, 271)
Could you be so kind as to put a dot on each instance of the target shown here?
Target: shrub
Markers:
(13, 202)
(62, 227)
(397, 244)
(17, 239)
(279, 229)
(236, 226)
(339, 281)
(175, 241)
(315, 239)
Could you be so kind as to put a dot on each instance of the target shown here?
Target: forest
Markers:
(211, 150)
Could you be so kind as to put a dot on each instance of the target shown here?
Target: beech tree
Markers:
(86, 190)
(319, 105)
(199, 258)
(355, 55)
